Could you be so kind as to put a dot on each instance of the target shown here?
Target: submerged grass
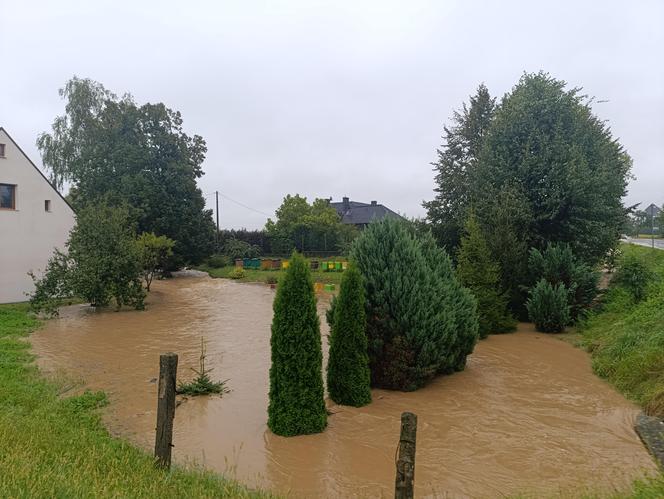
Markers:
(52, 446)
(626, 338)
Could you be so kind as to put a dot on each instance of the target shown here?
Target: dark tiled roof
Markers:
(357, 213)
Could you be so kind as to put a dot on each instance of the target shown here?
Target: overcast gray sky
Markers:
(333, 98)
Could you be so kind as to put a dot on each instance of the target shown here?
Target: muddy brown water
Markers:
(526, 416)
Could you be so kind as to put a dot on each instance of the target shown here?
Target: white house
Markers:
(34, 219)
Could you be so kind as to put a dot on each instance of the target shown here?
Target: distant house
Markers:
(362, 214)
(34, 220)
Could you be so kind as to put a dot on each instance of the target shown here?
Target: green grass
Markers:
(52, 446)
(263, 275)
(626, 339)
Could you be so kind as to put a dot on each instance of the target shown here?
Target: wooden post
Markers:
(168, 368)
(403, 487)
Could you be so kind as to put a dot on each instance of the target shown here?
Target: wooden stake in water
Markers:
(405, 480)
(168, 367)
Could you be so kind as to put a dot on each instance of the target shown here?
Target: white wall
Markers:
(28, 234)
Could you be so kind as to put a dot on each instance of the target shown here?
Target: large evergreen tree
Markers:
(456, 159)
(297, 404)
(134, 155)
(420, 321)
(479, 272)
(348, 377)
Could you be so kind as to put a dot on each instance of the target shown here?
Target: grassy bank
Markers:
(626, 339)
(265, 275)
(52, 446)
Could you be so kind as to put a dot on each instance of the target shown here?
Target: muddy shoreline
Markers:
(526, 416)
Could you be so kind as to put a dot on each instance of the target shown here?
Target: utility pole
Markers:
(216, 193)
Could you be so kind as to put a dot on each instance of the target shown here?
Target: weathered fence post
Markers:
(403, 487)
(168, 368)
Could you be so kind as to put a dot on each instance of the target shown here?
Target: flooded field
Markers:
(526, 416)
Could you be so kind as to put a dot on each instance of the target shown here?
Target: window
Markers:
(47, 205)
(2, 150)
(7, 197)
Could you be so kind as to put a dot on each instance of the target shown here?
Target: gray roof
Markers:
(354, 212)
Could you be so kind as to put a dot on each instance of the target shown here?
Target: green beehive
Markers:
(337, 266)
(329, 287)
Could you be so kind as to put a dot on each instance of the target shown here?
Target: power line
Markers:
(238, 203)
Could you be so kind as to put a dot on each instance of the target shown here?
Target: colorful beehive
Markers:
(284, 264)
(344, 265)
(330, 266)
(318, 287)
(276, 263)
(266, 264)
(329, 287)
(255, 263)
(337, 266)
(239, 262)
(246, 263)
(314, 264)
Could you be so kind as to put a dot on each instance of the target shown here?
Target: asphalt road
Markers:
(659, 243)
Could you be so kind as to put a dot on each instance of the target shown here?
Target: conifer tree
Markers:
(479, 272)
(420, 320)
(297, 404)
(348, 377)
(457, 158)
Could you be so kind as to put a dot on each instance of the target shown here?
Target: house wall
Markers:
(28, 234)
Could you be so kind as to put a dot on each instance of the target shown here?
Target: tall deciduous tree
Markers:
(111, 148)
(297, 404)
(305, 227)
(456, 159)
(348, 377)
(570, 171)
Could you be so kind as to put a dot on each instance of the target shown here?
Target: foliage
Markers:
(558, 265)
(612, 258)
(111, 148)
(234, 249)
(420, 320)
(296, 394)
(237, 273)
(155, 252)
(634, 275)
(257, 238)
(348, 376)
(217, 261)
(456, 158)
(626, 339)
(272, 279)
(545, 140)
(102, 262)
(548, 307)
(303, 226)
(202, 384)
(479, 272)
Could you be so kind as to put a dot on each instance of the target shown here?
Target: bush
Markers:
(547, 307)
(272, 279)
(558, 265)
(348, 376)
(155, 251)
(234, 249)
(480, 273)
(634, 275)
(297, 404)
(217, 261)
(420, 320)
(102, 263)
(237, 273)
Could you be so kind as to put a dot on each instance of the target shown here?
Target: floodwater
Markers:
(526, 416)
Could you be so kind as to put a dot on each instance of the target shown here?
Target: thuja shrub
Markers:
(548, 308)
(558, 265)
(348, 377)
(296, 405)
(420, 320)
(633, 274)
